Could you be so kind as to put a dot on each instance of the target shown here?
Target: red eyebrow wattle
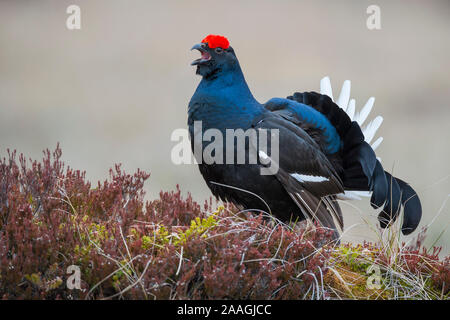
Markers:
(216, 41)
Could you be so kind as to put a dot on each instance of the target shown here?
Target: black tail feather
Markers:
(362, 171)
(393, 202)
(412, 207)
(379, 186)
(400, 194)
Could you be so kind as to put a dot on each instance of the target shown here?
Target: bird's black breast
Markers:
(244, 186)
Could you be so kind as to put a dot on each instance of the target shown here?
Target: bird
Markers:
(323, 156)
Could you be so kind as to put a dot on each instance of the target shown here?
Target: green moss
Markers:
(34, 278)
(146, 242)
(54, 284)
(354, 257)
(121, 274)
(198, 228)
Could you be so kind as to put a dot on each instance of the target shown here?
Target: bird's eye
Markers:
(219, 50)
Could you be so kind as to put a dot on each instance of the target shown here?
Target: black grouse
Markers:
(321, 154)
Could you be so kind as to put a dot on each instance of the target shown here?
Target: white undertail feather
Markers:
(344, 97)
(308, 178)
(370, 129)
(325, 87)
(362, 116)
(349, 106)
(377, 143)
(353, 195)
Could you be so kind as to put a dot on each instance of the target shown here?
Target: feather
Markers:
(325, 87)
(310, 204)
(412, 207)
(317, 209)
(365, 111)
(353, 195)
(393, 202)
(335, 210)
(370, 130)
(308, 178)
(376, 144)
(345, 95)
(351, 109)
(366, 158)
(379, 186)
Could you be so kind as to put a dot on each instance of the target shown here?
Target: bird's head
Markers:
(216, 56)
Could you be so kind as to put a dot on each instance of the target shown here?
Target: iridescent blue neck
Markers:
(229, 87)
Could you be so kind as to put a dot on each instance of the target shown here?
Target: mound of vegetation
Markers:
(56, 228)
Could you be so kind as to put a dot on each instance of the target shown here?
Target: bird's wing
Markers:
(343, 139)
(310, 119)
(340, 138)
(349, 106)
(303, 170)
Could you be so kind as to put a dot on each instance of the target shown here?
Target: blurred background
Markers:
(114, 91)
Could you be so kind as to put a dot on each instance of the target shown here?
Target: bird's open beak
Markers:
(205, 55)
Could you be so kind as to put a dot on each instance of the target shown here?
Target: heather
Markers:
(172, 247)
